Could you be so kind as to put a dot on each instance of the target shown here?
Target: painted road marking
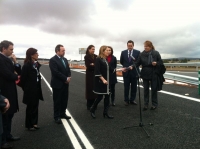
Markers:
(70, 133)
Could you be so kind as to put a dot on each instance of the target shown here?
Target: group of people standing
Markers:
(101, 75)
(100, 82)
(29, 79)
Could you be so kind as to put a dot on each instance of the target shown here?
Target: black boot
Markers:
(94, 107)
(106, 107)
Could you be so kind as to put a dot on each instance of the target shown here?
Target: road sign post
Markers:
(82, 51)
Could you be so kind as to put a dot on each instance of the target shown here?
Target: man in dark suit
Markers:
(8, 76)
(129, 76)
(60, 78)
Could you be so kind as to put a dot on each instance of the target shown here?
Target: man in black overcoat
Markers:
(8, 76)
(60, 78)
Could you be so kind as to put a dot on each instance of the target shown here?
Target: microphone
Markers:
(132, 57)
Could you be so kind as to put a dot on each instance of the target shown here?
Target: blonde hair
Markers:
(149, 44)
(101, 51)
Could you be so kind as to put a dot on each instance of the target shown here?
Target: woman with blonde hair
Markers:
(150, 60)
(101, 82)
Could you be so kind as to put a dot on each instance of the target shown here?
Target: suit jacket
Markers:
(29, 83)
(7, 83)
(124, 60)
(101, 69)
(59, 73)
(112, 70)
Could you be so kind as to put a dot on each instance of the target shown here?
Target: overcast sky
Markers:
(172, 25)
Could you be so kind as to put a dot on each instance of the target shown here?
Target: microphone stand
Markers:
(141, 124)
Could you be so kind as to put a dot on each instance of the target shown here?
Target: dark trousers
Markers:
(147, 83)
(32, 114)
(112, 90)
(90, 103)
(130, 81)
(0, 138)
(7, 122)
(60, 100)
(106, 102)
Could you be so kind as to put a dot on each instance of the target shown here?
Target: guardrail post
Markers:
(199, 81)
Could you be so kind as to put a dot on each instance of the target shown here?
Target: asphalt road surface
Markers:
(174, 125)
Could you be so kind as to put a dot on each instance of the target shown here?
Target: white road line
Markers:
(80, 133)
(71, 135)
(181, 96)
(47, 83)
(120, 79)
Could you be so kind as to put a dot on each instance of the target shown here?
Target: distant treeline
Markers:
(179, 60)
(38, 58)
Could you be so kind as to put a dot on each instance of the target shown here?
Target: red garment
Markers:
(109, 58)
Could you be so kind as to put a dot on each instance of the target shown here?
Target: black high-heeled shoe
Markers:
(108, 116)
(153, 108)
(32, 129)
(93, 114)
(36, 127)
(145, 108)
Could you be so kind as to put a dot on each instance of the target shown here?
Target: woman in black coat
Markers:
(150, 59)
(31, 85)
(90, 58)
(112, 61)
(101, 82)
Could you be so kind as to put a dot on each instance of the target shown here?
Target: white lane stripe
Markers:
(80, 133)
(181, 96)
(120, 79)
(74, 124)
(46, 82)
(71, 134)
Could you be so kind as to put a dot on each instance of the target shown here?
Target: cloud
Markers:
(77, 23)
(58, 17)
(120, 4)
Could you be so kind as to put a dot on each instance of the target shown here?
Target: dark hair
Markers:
(29, 53)
(88, 48)
(130, 41)
(111, 50)
(5, 44)
(57, 48)
(149, 44)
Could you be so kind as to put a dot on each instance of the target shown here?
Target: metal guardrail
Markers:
(177, 78)
(170, 76)
(171, 65)
(181, 78)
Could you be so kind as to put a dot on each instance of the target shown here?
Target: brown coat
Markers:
(89, 82)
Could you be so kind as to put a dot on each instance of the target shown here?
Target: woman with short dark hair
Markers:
(31, 85)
